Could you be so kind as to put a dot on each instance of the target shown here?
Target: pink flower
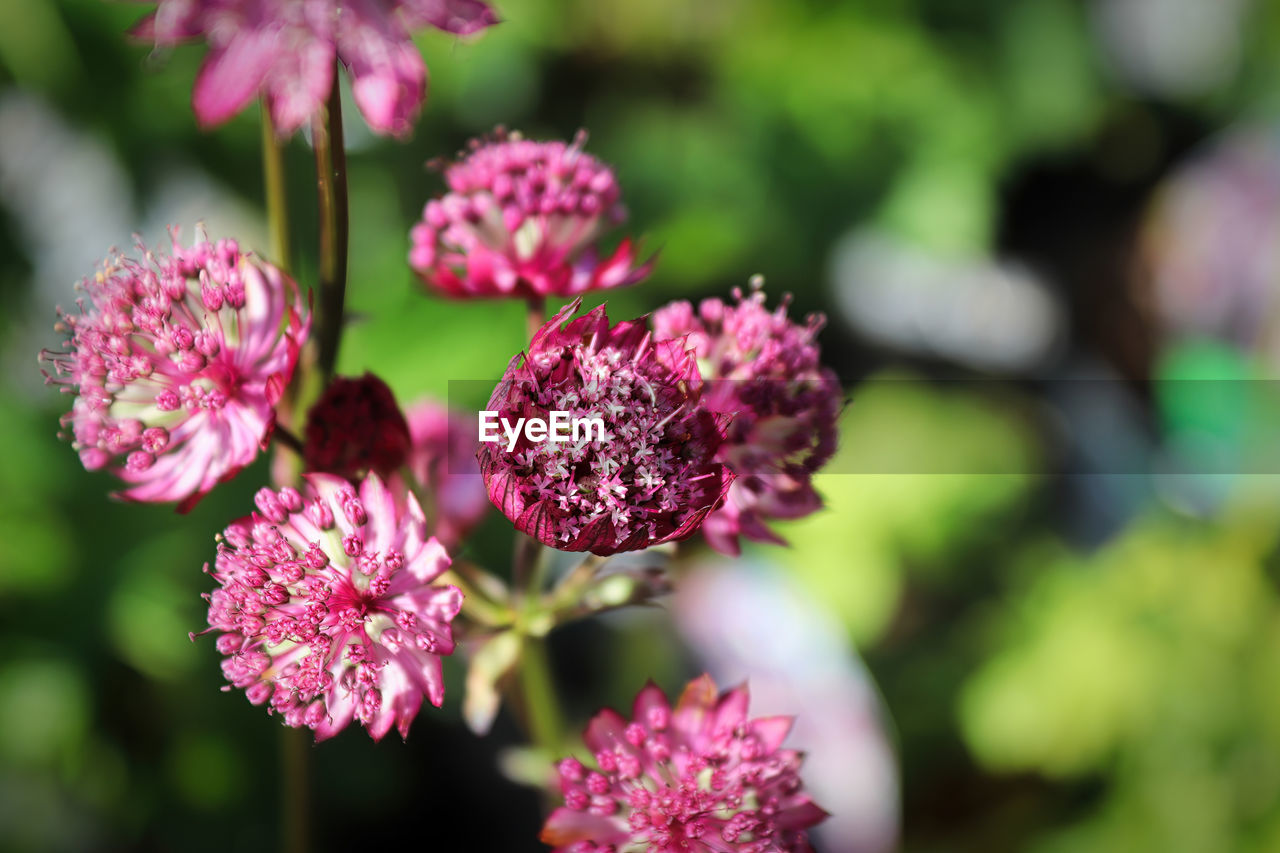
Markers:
(443, 461)
(697, 778)
(521, 218)
(647, 477)
(356, 427)
(765, 371)
(285, 51)
(177, 363)
(327, 607)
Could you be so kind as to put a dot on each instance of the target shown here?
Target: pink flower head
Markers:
(765, 371)
(356, 427)
(521, 218)
(443, 461)
(177, 363)
(648, 477)
(697, 778)
(285, 51)
(327, 607)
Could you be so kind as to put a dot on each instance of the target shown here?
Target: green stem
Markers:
(295, 754)
(294, 748)
(541, 703)
(331, 181)
(476, 604)
(287, 439)
(285, 468)
(524, 564)
(276, 192)
(536, 316)
(541, 706)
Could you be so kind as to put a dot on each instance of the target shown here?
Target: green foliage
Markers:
(919, 476)
(1151, 665)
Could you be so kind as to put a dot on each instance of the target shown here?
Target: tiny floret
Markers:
(521, 218)
(327, 607)
(177, 362)
(649, 476)
(696, 778)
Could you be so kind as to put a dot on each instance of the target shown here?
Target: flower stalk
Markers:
(286, 438)
(541, 706)
(294, 757)
(277, 197)
(331, 185)
(531, 562)
(536, 316)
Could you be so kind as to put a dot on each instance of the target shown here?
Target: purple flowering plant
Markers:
(337, 596)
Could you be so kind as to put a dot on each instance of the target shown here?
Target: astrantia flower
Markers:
(285, 50)
(443, 461)
(697, 778)
(177, 363)
(650, 478)
(356, 427)
(765, 371)
(521, 218)
(327, 607)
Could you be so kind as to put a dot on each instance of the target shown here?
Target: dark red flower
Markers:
(648, 476)
(356, 427)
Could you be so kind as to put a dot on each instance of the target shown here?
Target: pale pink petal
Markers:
(300, 81)
(730, 711)
(565, 826)
(605, 730)
(388, 76)
(461, 17)
(772, 731)
(694, 705)
(231, 75)
(650, 705)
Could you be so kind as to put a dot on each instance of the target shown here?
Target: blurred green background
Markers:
(1042, 232)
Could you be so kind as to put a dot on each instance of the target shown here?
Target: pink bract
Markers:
(285, 51)
(443, 461)
(651, 478)
(765, 371)
(327, 607)
(177, 362)
(521, 218)
(696, 778)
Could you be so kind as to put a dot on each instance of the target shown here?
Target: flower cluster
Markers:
(521, 219)
(696, 778)
(177, 361)
(287, 50)
(650, 478)
(332, 603)
(765, 371)
(327, 607)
